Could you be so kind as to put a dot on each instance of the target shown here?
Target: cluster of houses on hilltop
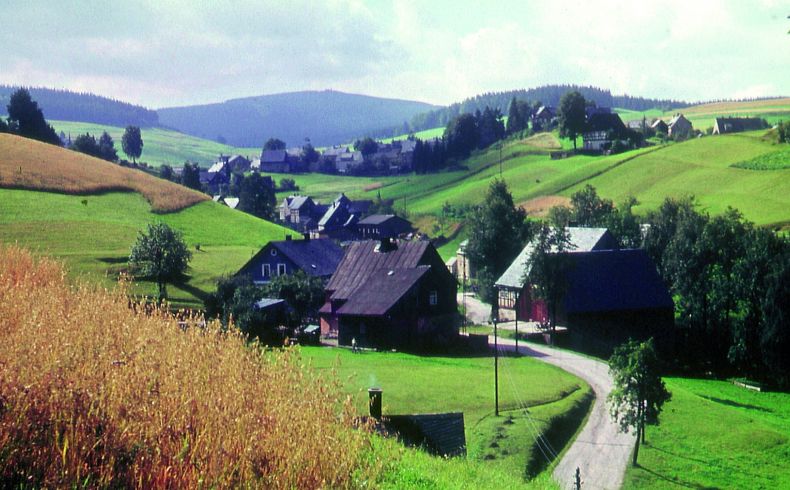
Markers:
(342, 219)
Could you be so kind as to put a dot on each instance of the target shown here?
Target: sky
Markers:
(163, 53)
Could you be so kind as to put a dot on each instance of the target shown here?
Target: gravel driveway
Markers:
(600, 451)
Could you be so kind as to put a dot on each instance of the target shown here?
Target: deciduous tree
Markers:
(160, 254)
(274, 144)
(498, 232)
(132, 143)
(548, 268)
(639, 392)
(572, 116)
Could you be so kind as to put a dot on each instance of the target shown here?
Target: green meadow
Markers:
(160, 146)
(714, 434)
(420, 384)
(94, 234)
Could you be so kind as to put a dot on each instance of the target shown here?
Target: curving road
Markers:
(600, 451)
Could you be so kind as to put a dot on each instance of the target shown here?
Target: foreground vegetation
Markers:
(556, 400)
(714, 434)
(100, 395)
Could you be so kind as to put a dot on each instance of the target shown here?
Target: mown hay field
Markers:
(29, 164)
(98, 392)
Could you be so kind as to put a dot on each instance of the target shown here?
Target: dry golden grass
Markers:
(373, 186)
(29, 164)
(94, 394)
(762, 106)
(540, 205)
(543, 140)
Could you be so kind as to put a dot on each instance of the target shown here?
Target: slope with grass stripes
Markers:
(78, 214)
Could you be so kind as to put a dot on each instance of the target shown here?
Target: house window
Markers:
(433, 298)
(274, 252)
(267, 270)
(507, 298)
(280, 269)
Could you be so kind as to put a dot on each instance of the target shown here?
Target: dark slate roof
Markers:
(602, 121)
(381, 291)
(296, 202)
(736, 124)
(614, 280)
(362, 259)
(359, 207)
(317, 257)
(273, 156)
(441, 434)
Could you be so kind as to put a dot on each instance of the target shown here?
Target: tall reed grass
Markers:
(30, 164)
(93, 393)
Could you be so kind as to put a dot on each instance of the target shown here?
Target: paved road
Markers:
(601, 451)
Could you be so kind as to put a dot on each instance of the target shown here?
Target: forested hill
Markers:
(326, 117)
(548, 95)
(73, 106)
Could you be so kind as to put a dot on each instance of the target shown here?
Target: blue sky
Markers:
(163, 53)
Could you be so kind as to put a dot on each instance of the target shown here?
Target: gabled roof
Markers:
(381, 291)
(217, 167)
(273, 156)
(337, 213)
(296, 202)
(232, 202)
(657, 123)
(603, 121)
(545, 111)
(377, 219)
(268, 303)
(674, 120)
(316, 257)
(359, 207)
(612, 280)
(363, 259)
(581, 240)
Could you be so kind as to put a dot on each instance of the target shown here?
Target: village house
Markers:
(514, 295)
(378, 226)
(341, 218)
(301, 213)
(235, 163)
(544, 118)
(738, 124)
(603, 129)
(611, 294)
(679, 126)
(463, 267)
(216, 178)
(315, 257)
(390, 294)
(281, 161)
(659, 126)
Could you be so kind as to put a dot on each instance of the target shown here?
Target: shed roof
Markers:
(605, 121)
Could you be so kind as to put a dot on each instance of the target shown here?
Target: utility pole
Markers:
(496, 364)
(516, 325)
(500, 159)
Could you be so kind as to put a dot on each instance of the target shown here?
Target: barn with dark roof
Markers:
(391, 295)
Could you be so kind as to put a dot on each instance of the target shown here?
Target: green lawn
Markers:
(414, 384)
(160, 146)
(716, 435)
(95, 238)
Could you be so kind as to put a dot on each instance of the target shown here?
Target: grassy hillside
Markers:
(94, 231)
(439, 384)
(716, 435)
(160, 146)
(29, 164)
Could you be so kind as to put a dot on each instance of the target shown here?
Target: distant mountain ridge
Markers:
(326, 117)
(66, 105)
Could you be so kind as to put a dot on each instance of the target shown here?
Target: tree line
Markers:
(730, 279)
